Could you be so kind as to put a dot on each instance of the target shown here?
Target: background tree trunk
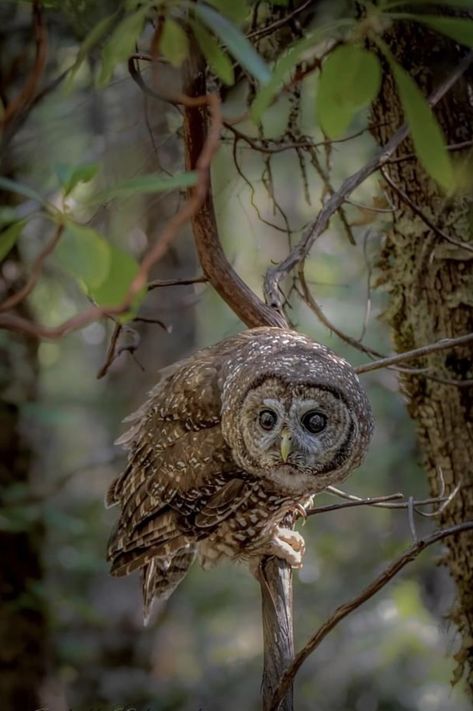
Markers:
(430, 282)
(23, 623)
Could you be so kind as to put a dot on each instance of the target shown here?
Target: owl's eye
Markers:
(314, 421)
(267, 419)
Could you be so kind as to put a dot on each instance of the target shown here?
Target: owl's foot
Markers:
(288, 545)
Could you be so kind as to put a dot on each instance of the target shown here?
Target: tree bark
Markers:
(430, 281)
(23, 624)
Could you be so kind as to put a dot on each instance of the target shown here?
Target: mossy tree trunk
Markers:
(430, 281)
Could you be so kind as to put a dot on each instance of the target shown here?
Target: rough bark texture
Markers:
(23, 626)
(431, 287)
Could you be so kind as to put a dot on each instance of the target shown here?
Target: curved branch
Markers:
(346, 608)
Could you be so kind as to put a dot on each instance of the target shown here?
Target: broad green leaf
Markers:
(459, 29)
(286, 65)
(121, 44)
(427, 136)
(350, 80)
(69, 175)
(112, 291)
(146, 184)
(217, 60)
(94, 36)
(174, 43)
(22, 189)
(235, 10)
(85, 254)
(235, 41)
(9, 236)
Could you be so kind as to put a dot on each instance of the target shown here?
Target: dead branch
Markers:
(420, 213)
(348, 607)
(274, 275)
(442, 345)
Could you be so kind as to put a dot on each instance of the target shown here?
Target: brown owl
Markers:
(230, 441)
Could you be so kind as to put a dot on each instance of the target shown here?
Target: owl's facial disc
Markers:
(302, 432)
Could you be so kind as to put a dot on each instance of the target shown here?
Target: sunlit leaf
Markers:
(92, 39)
(121, 44)
(174, 44)
(85, 254)
(350, 80)
(9, 236)
(21, 189)
(427, 136)
(459, 29)
(142, 184)
(69, 175)
(112, 291)
(235, 10)
(216, 58)
(235, 41)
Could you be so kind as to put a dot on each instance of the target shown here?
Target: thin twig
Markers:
(160, 283)
(36, 270)
(420, 213)
(348, 607)
(442, 345)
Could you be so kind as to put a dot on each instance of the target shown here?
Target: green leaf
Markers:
(112, 291)
(216, 58)
(174, 43)
(459, 29)
(9, 236)
(85, 254)
(427, 136)
(235, 10)
(350, 80)
(94, 36)
(121, 44)
(286, 65)
(235, 41)
(467, 4)
(69, 175)
(22, 189)
(153, 183)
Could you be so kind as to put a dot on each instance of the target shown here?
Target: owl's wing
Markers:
(178, 462)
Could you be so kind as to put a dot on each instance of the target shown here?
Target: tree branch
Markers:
(348, 607)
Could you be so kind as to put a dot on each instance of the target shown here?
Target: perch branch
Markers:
(348, 607)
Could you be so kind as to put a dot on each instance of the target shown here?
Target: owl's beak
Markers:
(286, 445)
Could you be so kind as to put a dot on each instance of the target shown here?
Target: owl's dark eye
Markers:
(314, 421)
(267, 419)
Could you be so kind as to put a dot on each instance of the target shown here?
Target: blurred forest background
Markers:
(204, 649)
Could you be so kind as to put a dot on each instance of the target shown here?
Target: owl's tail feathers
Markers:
(160, 577)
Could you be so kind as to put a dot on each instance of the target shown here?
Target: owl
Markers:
(231, 441)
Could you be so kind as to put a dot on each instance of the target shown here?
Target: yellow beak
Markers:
(286, 445)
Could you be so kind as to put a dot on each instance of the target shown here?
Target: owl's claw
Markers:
(288, 545)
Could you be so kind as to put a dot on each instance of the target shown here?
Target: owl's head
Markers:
(302, 420)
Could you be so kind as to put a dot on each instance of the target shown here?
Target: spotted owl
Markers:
(230, 442)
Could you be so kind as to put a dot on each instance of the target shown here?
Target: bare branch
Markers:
(348, 607)
(442, 345)
(160, 283)
(420, 213)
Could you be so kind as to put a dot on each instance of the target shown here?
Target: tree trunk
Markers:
(430, 281)
(23, 626)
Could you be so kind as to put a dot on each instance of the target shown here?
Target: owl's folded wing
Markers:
(178, 463)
